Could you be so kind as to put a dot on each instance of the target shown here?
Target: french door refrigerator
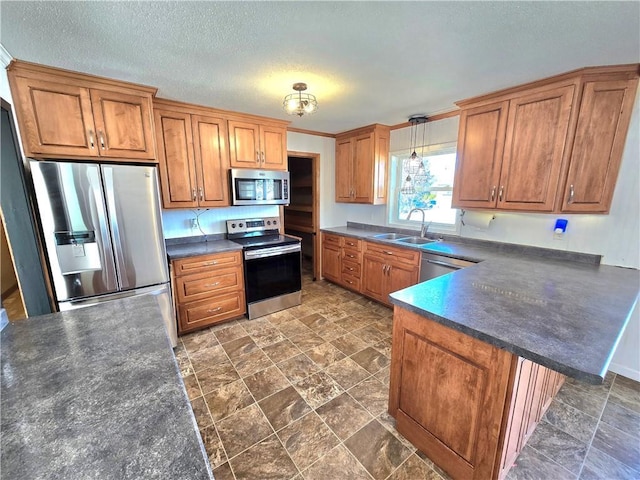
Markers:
(102, 228)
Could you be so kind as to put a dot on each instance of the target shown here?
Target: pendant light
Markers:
(413, 165)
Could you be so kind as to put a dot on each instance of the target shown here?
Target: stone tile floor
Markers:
(302, 394)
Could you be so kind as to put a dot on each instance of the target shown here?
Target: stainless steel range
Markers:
(272, 265)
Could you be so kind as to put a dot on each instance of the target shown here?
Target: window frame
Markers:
(395, 183)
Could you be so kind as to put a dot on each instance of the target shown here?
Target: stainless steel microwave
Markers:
(259, 187)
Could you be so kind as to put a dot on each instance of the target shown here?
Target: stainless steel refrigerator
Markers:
(102, 228)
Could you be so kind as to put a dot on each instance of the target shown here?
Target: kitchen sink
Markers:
(390, 236)
(414, 240)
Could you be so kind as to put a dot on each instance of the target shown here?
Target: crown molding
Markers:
(5, 57)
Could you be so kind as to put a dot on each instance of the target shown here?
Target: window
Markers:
(432, 189)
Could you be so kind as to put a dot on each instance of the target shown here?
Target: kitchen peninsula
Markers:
(479, 354)
(96, 393)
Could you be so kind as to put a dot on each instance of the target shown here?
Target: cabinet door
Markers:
(244, 144)
(175, 158)
(399, 277)
(603, 121)
(480, 148)
(331, 262)
(344, 169)
(363, 170)
(374, 278)
(55, 119)
(211, 160)
(536, 134)
(273, 143)
(123, 124)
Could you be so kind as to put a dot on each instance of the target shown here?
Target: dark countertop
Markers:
(176, 251)
(96, 393)
(565, 315)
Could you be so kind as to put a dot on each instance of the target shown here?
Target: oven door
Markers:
(271, 272)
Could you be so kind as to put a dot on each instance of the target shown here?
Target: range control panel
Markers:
(253, 225)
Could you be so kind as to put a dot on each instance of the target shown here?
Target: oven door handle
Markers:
(271, 252)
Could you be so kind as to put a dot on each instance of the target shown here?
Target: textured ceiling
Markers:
(365, 61)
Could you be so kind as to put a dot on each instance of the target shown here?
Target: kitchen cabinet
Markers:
(554, 145)
(209, 289)
(362, 158)
(386, 269)
(468, 405)
(510, 153)
(63, 114)
(331, 266)
(594, 162)
(257, 144)
(342, 260)
(192, 154)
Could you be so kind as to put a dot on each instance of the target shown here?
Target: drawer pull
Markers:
(349, 282)
(350, 269)
(214, 310)
(387, 252)
(350, 243)
(213, 262)
(212, 284)
(350, 256)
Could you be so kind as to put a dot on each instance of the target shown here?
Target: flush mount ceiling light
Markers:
(413, 166)
(300, 103)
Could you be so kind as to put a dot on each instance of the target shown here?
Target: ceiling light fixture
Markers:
(413, 165)
(300, 103)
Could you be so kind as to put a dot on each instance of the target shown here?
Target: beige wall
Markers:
(8, 280)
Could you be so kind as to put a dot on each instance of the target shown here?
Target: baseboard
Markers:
(8, 291)
(625, 371)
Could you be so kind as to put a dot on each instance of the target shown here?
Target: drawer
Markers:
(351, 255)
(198, 286)
(351, 281)
(199, 314)
(404, 255)
(351, 268)
(331, 239)
(203, 263)
(352, 243)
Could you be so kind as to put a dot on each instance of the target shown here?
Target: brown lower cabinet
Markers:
(209, 289)
(469, 406)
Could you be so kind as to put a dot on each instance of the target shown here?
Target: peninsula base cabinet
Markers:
(209, 289)
(469, 406)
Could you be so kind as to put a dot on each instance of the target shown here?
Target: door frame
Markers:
(315, 174)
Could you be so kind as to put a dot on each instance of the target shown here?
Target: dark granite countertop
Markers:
(566, 313)
(199, 246)
(96, 393)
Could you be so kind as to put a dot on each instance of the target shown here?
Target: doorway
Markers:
(301, 216)
(9, 289)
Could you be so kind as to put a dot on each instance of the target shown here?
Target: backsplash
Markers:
(178, 223)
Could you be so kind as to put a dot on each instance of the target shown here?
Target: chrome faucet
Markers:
(424, 227)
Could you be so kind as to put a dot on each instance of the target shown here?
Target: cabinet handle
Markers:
(350, 255)
(350, 282)
(571, 193)
(91, 139)
(214, 310)
(500, 194)
(350, 269)
(102, 142)
(193, 194)
(257, 156)
(210, 263)
(263, 159)
(350, 243)
(212, 284)
(493, 193)
(201, 190)
(387, 252)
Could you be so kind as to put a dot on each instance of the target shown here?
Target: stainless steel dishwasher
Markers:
(437, 265)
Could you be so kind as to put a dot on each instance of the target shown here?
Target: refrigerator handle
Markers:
(103, 238)
(115, 230)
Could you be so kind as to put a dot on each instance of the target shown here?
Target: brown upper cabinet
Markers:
(192, 154)
(256, 144)
(549, 146)
(64, 114)
(362, 157)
